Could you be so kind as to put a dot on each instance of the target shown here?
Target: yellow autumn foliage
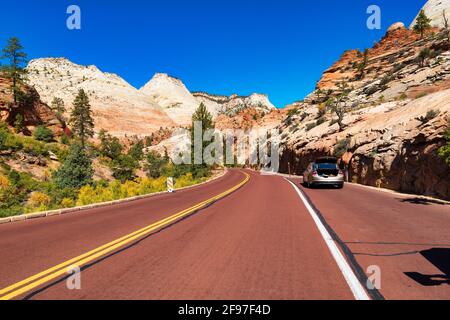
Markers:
(38, 201)
(142, 186)
(4, 183)
(67, 203)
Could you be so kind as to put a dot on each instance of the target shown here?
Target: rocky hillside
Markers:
(173, 96)
(434, 9)
(397, 111)
(117, 106)
(123, 110)
(234, 104)
(33, 110)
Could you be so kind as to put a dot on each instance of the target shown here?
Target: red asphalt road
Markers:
(257, 243)
(407, 237)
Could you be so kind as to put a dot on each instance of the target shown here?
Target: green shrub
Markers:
(333, 122)
(137, 150)
(154, 164)
(109, 146)
(19, 123)
(403, 96)
(292, 112)
(320, 121)
(444, 151)
(421, 95)
(310, 126)
(43, 133)
(430, 115)
(76, 171)
(65, 139)
(123, 167)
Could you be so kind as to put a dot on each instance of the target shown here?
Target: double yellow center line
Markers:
(40, 278)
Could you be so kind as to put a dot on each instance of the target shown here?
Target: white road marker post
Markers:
(170, 185)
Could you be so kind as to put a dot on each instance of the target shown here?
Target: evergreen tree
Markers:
(338, 105)
(423, 23)
(58, 107)
(109, 146)
(81, 118)
(123, 168)
(203, 116)
(424, 54)
(14, 71)
(76, 171)
(136, 151)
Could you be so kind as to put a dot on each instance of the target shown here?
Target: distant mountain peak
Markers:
(117, 106)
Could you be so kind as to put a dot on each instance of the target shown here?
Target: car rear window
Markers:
(326, 160)
(324, 166)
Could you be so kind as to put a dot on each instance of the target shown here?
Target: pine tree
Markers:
(137, 150)
(338, 105)
(109, 146)
(76, 171)
(424, 54)
(81, 118)
(57, 106)
(14, 71)
(422, 23)
(203, 116)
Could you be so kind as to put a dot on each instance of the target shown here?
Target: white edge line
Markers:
(355, 286)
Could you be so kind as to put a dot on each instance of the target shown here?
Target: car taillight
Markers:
(341, 173)
(314, 173)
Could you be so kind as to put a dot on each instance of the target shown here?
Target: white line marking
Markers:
(355, 286)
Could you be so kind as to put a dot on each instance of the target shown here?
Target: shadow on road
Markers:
(423, 201)
(440, 258)
(321, 187)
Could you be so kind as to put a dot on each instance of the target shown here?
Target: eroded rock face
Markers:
(173, 96)
(388, 146)
(180, 104)
(235, 104)
(34, 111)
(434, 9)
(395, 26)
(398, 112)
(117, 106)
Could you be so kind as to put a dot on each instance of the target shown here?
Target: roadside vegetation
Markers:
(444, 151)
(135, 170)
(72, 184)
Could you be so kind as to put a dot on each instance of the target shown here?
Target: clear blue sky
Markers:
(277, 47)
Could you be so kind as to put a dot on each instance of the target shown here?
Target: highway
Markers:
(242, 236)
